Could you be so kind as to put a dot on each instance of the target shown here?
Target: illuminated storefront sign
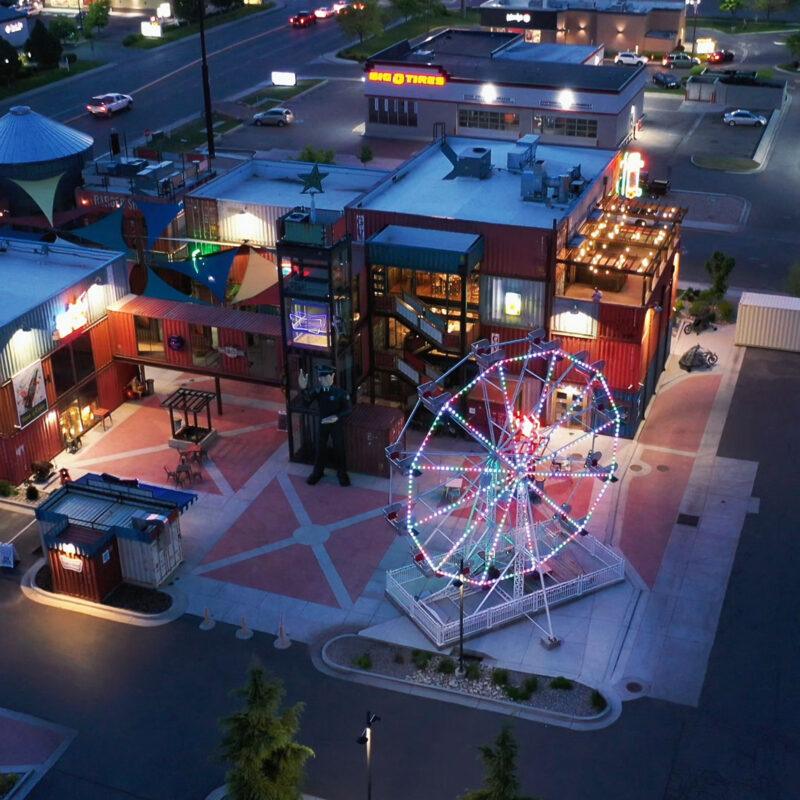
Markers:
(517, 17)
(284, 79)
(315, 324)
(75, 316)
(310, 324)
(151, 29)
(513, 304)
(632, 164)
(405, 78)
(13, 27)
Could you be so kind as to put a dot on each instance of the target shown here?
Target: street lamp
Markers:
(694, 4)
(459, 583)
(366, 740)
(206, 86)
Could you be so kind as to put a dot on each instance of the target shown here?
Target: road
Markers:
(165, 82)
(146, 702)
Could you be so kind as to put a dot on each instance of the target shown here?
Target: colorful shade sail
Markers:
(260, 274)
(156, 217)
(42, 192)
(211, 270)
(107, 232)
(159, 289)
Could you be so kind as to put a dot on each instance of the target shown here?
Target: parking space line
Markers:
(32, 522)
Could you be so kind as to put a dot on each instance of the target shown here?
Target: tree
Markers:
(501, 781)
(719, 268)
(188, 10)
(731, 6)
(770, 6)
(363, 20)
(408, 8)
(793, 43)
(9, 62)
(63, 29)
(266, 762)
(97, 16)
(45, 49)
(793, 281)
(365, 155)
(316, 156)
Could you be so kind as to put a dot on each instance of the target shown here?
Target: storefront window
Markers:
(262, 355)
(149, 337)
(76, 414)
(82, 357)
(570, 126)
(488, 120)
(392, 111)
(63, 374)
(309, 324)
(205, 345)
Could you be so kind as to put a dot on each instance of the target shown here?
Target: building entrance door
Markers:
(569, 403)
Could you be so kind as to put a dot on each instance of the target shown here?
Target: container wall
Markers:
(182, 357)
(773, 328)
(8, 410)
(39, 441)
(101, 344)
(623, 361)
(512, 302)
(255, 223)
(237, 340)
(137, 562)
(369, 431)
(96, 577)
(122, 334)
(498, 334)
(112, 383)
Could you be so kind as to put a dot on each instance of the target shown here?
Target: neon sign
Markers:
(516, 17)
(405, 78)
(75, 316)
(13, 27)
(630, 176)
(315, 324)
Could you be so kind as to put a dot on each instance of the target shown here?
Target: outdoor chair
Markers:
(175, 475)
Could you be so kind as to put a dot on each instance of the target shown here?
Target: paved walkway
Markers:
(262, 546)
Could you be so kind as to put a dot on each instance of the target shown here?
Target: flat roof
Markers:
(770, 301)
(612, 6)
(419, 187)
(278, 183)
(30, 277)
(478, 55)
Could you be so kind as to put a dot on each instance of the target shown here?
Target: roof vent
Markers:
(298, 217)
(471, 162)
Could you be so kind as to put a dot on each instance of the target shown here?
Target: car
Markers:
(666, 79)
(743, 117)
(324, 12)
(630, 59)
(673, 60)
(338, 7)
(104, 105)
(302, 19)
(274, 116)
(720, 57)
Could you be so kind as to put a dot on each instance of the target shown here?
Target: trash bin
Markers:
(151, 386)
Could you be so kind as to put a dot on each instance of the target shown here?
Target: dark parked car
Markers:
(302, 19)
(666, 79)
(720, 57)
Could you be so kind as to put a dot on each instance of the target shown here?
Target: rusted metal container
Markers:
(85, 563)
(39, 441)
(370, 430)
(101, 344)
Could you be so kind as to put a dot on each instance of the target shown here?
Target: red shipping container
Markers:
(80, 568)
(369, 431)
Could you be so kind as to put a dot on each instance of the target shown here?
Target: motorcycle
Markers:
(700, 324)
(697, 357)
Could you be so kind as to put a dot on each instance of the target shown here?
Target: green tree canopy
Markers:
(97, 16)
(500, 763)
(363, 20)
(188, 10)
(9, 62)
(259, 744)
(731, 6)
(793, 43)
(769, 7)
(719, 268)
(45, 49)
(63, 28)
(409, 8)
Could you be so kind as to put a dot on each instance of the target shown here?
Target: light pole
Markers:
(459, 582)
(694, 3)
(366, 740)
(212, 152)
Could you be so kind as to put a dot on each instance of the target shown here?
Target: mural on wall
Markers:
(29, 393)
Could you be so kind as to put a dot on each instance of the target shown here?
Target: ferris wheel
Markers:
(495, 510)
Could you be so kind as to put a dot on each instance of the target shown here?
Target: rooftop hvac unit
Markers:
(523, 154)
(471, 162)
(533, 181)
(298, 216)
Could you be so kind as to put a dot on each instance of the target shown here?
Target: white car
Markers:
(339, 7)
(274, 116)
(743, 117)
(630, 59)
(323, 12)
(104, 105)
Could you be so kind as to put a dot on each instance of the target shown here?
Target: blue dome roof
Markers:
(27, 138)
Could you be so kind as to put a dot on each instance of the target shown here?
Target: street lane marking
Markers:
(32, 522)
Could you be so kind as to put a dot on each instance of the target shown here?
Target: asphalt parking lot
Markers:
(22, 530)
(713, 137)
(330, 116)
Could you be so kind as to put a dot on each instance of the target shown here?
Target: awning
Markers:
(426, 250)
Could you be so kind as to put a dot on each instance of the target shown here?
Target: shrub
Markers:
(365, 155)
(698, 308)
(316, 156)
(599, 702)
(32, 493)
(8, 780)
(421, 658)
(500, 677)
(70, 58)
(473, 671)
(446, 666)
(709, 295)
(679, 306)
(7, 489)
(560, 682)
(364, 661)
(45, 49)
(131, 39)
(523, 692)
(725, 310)
(398, 657)
(793, 281)
(719, 268)
(63, 29)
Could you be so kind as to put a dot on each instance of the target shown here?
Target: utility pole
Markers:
(206, 86)
(366, 740)
(695, 3)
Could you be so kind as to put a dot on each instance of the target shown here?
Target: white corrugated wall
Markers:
(769, 321)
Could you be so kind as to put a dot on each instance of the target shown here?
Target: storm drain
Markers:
(692, 520)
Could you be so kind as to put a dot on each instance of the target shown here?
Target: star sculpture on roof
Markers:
(312, 181)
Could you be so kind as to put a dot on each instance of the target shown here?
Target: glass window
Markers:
(262, 355)
(63, 375)
(570, 126)
(392, 111)
(205, 341)
(149, 337)
(82, 355)
(488, 120)
(309, 323)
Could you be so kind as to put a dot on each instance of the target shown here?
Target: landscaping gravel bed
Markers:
(437, 670)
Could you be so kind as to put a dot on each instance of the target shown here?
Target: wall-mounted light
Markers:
(26, 329)
(488, 93)
(566, 99)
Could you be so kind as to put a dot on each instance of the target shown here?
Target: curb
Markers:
(235, 98)
(18, 506)
(764, 149)
(719, 226)
(327, 666)
(29, 588)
